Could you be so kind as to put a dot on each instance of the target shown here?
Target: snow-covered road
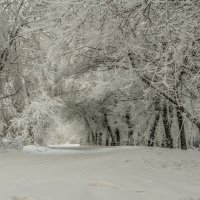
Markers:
(87, 173)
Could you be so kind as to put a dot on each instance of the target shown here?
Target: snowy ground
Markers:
(89, 173)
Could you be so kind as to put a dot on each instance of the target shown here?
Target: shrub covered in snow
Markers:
(10, 144)
(34, 123)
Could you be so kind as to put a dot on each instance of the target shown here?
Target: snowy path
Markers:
(123, 173)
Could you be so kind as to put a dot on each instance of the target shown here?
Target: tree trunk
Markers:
(130, 133)
(90, 132)
(109, 130)
(130, 126)
(181, 129)
(153, 130)
(99, 139)
(95, 138)
(155, 123)
(167, 127)
(107, 140)
(117, 135)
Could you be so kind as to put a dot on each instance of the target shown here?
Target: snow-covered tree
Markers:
(157, 41)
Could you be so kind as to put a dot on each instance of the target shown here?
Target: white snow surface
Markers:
(51, 149)
(91, 173)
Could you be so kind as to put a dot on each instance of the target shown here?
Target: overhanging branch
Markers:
(10, 95)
